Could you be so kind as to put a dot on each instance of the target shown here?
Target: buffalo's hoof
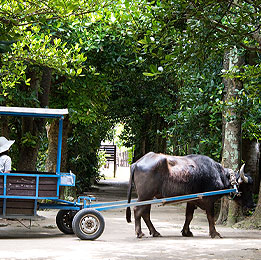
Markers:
(186, 233)
(140, 235)
(215, 234)
(156, 234)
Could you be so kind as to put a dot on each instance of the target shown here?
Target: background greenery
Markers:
(156, 67)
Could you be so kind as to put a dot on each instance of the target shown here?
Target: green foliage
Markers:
(187, 41)
(83, 146)
(36, 32)
(29, 140)
(153, 66)
(101, 159)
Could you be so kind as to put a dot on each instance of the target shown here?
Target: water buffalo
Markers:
(159, 176)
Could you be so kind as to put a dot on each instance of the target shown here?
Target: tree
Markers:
(37, 51)
(199, 28)
(231, 156)
(154, 66)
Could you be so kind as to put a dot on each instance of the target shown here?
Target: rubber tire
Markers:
(65, 227)
(95, 217)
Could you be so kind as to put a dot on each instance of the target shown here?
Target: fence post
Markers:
(110, 154)
(115, 163)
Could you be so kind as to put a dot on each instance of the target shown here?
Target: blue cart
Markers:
(21, 192)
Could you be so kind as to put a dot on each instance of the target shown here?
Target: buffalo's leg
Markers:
(211, 221)
(189, 216)
(146, 218)
(144, 212)
(137, 216)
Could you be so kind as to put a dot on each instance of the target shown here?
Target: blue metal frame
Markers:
(63, 179)
(59, 148)
(30, 115)
(42, 114)
(37, 176)
(176, 199)
(61, 204)
(124, 203)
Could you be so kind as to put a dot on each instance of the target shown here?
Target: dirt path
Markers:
(44, 241)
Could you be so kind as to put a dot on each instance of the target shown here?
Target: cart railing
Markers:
(33, 185)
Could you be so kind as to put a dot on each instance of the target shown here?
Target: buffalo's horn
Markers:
(242, 175)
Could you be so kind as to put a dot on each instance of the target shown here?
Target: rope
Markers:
(233, 181)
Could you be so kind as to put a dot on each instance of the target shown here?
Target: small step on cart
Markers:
(21, 192)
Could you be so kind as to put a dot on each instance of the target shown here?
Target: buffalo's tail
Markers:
(128, 210)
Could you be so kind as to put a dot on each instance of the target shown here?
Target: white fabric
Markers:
(67, 180)
(30, 110)
(5, 163)
(5, 144)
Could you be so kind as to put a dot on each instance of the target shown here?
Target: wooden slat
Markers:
(2, 185)
(1, 206)
(21, 186)
(16, 192)
(47, 180)
(18, 207)
(26, 186)
(21, 180)
(11, 211)
(47, 187)
(27, 204)
(50, 187)
(47, 193)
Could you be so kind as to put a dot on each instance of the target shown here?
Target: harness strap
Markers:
(233, 179)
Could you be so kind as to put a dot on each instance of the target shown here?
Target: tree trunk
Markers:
(50, 166)
(4, 127)
(45, 86)
(52, 133)
(232, 134)
(253, 222)
(256, 218)
(250, 155)
(149, 140)
(222, 218)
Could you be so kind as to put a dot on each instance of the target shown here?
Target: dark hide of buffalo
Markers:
(159, 176)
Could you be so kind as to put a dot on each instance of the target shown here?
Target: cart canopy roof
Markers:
(33, 112)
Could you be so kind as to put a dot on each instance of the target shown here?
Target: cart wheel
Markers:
(64, 220)
(88, 224)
